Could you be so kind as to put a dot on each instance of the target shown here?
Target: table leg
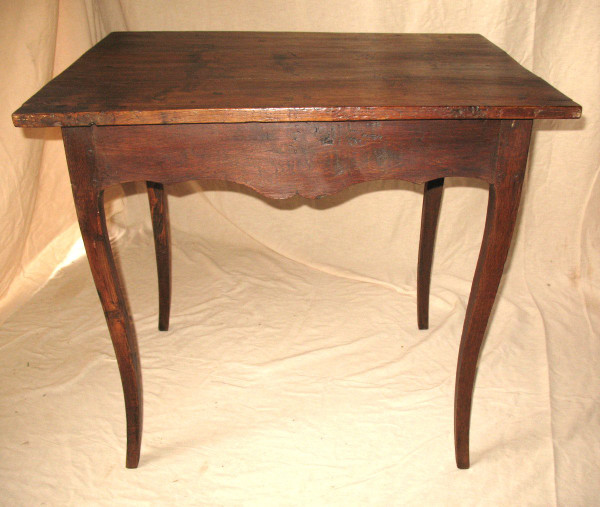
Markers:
(503, 205)
(89, 203)
(432, 198)
(159, 211)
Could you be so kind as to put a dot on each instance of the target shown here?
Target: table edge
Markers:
(22, 118)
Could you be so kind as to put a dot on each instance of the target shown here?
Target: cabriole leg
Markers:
(503, 205)
(89, 203)
(159, 211)
(432, 198)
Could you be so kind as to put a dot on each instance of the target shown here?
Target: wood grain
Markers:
(432, 199)
(280, 160)
(159, 212)
(89, 204)
(213, 77)
(503, 205)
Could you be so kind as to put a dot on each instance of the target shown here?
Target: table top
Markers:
(133, 78)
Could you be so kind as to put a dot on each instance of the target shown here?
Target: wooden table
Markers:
(287, 114)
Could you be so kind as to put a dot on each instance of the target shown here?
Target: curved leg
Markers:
(89, 203)
(502, 209)
(432, 198)
(159, 211)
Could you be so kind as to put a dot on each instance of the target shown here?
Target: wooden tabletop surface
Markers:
(201, 77)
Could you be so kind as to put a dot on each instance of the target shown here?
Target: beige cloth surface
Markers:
(293, 372)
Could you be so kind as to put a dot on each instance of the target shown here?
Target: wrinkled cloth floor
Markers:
(276, 384)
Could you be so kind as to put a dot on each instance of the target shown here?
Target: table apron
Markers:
(311, 159)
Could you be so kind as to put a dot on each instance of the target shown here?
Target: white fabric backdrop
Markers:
(299, 316)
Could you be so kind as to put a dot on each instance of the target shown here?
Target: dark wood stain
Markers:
(89, 203)
(295, 114)
(280, 160)
(432, 199)
(503, 205)
(208, 77)
(159, 212)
